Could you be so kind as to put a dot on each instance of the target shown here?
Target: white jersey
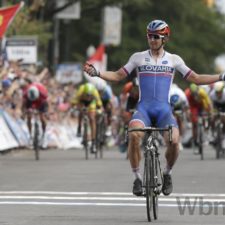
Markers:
(215, 98)
(155, 77)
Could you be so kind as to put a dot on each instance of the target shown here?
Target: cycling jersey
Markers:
(218, 102)
(182, 99)
(106, 95)
(41, 103)
(198, 103)
(155, 79)
(201, 100)
(93, 100)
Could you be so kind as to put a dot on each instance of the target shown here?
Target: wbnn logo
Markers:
(199, 206)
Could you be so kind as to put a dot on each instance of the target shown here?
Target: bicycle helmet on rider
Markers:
(88, 88)
(193, 88)
(219, 86)
(33, 93)
(158, 27)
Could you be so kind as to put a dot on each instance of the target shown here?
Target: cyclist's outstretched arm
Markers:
(204, 78)
(106, 75)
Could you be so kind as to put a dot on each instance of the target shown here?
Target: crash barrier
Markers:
(14, 133)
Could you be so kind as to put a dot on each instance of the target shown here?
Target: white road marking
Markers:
(102, 198)
(161, 198)
(109, 193)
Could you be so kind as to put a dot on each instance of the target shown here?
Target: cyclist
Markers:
(217, 96)
(180, 107)
(35, 97)
(156, 68)
(199, 103)
(88, 96)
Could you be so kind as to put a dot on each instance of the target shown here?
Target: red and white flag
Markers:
(98, 60)
(7, 15)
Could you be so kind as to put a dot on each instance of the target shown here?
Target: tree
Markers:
(23, 25)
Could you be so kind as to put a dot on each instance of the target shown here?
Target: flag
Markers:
(7, 15)
(98, 60)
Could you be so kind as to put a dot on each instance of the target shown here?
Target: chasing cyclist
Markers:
(217, 95)
(35, 97)
(199, 103)
(88, 96)
(180, 108)
(156, 68)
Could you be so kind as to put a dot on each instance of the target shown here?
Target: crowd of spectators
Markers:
(15, 76)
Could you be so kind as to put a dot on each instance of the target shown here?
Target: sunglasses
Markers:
(154, 36)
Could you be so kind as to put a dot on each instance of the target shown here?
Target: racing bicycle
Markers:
(152, 177)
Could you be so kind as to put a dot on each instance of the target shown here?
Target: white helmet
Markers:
(33, 93)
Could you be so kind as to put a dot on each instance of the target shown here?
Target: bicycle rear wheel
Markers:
(85, 139)
(36, 140)
(148, 185)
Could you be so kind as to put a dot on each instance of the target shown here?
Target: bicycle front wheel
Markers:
(157, 174)
(148, 185)
(36, 141)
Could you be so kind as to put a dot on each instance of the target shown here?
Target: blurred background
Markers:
(68, 32)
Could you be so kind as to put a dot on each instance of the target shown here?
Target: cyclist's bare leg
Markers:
(134, 150)
(180, 125)
(172, 150)
(194, 131)
(29, 124)
(80, 115)
(43, 119)
(92, 118)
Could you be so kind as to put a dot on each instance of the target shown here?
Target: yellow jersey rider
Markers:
(88, 96)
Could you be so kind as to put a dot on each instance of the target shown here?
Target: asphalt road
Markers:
(64, 188)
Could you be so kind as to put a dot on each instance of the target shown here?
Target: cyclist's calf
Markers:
(135, 139)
